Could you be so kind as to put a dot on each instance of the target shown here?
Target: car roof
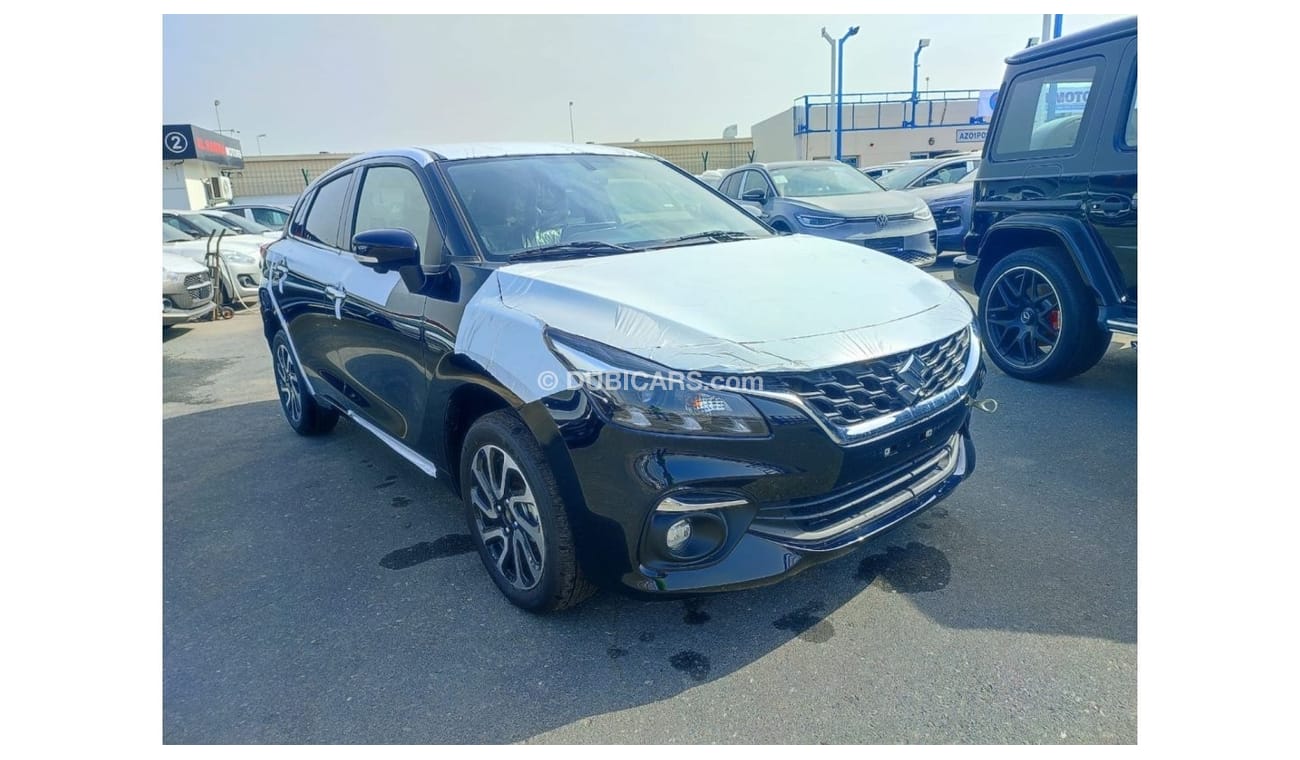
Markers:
(1111, 30)
(460, 151)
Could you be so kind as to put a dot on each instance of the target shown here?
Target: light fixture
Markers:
(678, 534)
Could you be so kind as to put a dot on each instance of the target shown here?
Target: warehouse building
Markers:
(877, 127)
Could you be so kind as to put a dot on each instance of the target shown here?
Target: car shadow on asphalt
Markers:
(324, 590)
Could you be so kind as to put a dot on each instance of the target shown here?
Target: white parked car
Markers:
(240, 225)
(186, 291)
(241, 259)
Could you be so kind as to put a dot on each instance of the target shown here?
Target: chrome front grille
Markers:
(198, 278)
(854, 393)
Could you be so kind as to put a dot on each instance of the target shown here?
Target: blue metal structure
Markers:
(932, 108)
(839, 93)
(921, 44)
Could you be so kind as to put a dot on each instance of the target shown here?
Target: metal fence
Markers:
(281, 175)
(696, 156)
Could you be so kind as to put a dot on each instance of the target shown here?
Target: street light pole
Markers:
(921, 44)
(259, 143)
(830, 42)
(571, 138)
(839, 94)
(216, 106)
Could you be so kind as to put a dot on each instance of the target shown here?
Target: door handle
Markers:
(1110, 206)
(336, 293)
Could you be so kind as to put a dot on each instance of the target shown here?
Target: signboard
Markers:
(186, 141)
(1071, 98)
(974, 134)
(988, 101)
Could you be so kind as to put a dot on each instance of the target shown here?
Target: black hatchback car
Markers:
(1052, 250)
(628, 380)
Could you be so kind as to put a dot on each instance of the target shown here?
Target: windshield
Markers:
(968, 177)
(236, 222)
(903, 176)
(821, 179)
(173, 235)
(516, 204)
(203, 223)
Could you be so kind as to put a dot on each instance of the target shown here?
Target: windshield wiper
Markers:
(574, 249)
(717, 236)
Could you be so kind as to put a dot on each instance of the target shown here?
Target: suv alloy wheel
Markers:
(1038, 319)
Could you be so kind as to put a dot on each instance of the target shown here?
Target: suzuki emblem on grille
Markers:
(882, 220)
(912, 376)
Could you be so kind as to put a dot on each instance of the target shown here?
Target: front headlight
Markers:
(236, 257)
(922, 213)
(639, 394)
(818, 222)
(173, 279)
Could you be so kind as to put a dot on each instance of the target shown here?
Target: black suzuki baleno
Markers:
(629, 380)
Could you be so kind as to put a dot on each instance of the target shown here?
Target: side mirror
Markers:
(755, 195)
(752, 209)
(383, 250)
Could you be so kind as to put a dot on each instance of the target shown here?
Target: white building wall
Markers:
(183, 183)
(774, 138)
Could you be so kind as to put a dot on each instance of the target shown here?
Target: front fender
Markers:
(1072, 235)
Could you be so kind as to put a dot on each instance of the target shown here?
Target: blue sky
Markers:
(352, 83)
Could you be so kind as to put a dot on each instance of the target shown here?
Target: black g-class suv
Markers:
(1052, 251)
(628, 380)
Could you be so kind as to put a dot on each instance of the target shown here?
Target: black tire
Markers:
(559, 582)
(1038, 318)
(303, 413)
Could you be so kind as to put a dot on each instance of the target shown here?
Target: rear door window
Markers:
(1045, 110)
(753, 181)
(322, 223)
(730, 185)
(269, 217)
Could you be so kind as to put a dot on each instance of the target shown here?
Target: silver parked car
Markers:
(833, 200)
(186, 291)
(241, 271)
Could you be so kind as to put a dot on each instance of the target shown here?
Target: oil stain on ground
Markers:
(400, 501)
(909, 570)
(187, 381)
(447, 546)
(691, 663)
(807, 623)
(388, 481)
(695, 614)
(616, 652)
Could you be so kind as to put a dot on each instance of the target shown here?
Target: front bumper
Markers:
(798, 496)
(912, 241)
(176, 316)
(964, 268)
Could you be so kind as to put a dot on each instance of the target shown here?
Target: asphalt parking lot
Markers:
(324, 590)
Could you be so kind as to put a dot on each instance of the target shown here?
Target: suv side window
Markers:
(731, 185)
(392, 198)
(1044, 110)
(753, 181)
(1131, 127)
(322, 223)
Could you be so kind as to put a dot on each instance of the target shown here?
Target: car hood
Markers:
(952, 191)
(862, 204)
(172, 262)
(198, 248)
(782, 303)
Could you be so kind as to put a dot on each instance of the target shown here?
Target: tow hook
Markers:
(988, 405)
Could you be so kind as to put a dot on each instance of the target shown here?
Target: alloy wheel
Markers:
(286, 378)
(1022, 317)
(506, 517)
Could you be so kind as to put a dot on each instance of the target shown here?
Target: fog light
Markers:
(167, 304)
(678, 534)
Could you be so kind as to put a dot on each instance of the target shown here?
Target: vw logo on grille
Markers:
(912, 375)
(882, 220)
